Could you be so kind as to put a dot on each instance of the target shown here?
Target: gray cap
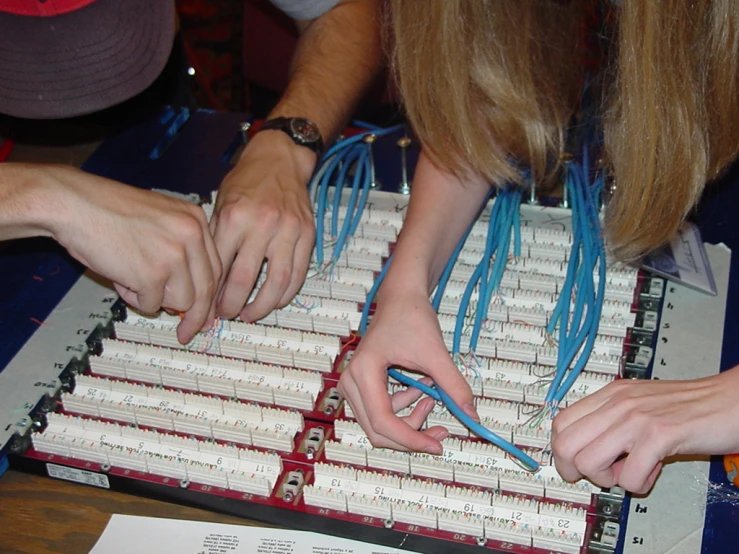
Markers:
(73, 57)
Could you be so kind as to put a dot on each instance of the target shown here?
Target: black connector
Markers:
(119, 310)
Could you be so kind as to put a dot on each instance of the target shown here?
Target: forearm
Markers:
(337, 57)
(440, 210)
(27, 204)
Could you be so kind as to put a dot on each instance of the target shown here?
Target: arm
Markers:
(405, 330)
(263, 210)
(621, 434)
(157, 250)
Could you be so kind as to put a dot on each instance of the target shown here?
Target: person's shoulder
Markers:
(303, 10)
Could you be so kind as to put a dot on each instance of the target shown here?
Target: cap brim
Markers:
(82, 61)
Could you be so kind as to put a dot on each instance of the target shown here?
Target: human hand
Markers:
(621, 434)
(263, 211)
(404, 333)
(157, 250)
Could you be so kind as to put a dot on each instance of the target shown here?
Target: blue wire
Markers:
(347, 162)
(589, 240)
(365, 125)
(477, 428)
(321, 208)
(597, 239)
(371, 296)
(367, 186)
(444, 279)
(346, 227)
(464, 304)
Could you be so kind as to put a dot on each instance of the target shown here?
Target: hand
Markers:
(621, 434)
(157, 250)
(404, 333)
(263, 212)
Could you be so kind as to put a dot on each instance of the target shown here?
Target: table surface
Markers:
(39, 515)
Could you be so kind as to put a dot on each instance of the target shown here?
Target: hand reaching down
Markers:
(621, 434)
(263, 212)
(157, 250)
(404, 333)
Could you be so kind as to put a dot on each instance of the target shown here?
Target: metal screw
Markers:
(369, 140)
(405, 186)
(245, 126)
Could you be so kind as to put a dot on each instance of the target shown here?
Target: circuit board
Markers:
(247, 419)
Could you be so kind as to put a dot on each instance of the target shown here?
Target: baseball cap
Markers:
(64, 58)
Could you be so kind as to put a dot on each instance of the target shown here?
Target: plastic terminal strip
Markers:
(208, 374)
(425, 503)
(186, 413)
(258, 343)
(228, 467)
(467, 461)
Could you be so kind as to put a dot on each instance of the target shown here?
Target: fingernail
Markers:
(440, 434)
(434, 449)
(470, 410)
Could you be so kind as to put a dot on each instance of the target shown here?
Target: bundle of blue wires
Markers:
(578, 309)
(353, 153)
(504, 215)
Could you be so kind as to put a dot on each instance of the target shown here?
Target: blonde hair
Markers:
(489, 84)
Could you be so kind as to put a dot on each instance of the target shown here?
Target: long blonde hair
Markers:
(488, 84)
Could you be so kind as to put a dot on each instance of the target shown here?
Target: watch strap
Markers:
(294, 127)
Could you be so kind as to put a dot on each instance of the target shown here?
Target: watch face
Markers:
(304, 130)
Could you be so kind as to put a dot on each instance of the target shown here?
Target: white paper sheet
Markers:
(147, 535)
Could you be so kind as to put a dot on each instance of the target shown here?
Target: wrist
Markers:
(32, 208)
(276, 146)
(404, 281)
(303, 132)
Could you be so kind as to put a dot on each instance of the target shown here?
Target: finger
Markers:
(216, 267)
(241, 278)
(640, 469)
(301, 262)
(404, 398)
(140, 301)
(568, 443)
(383, 420)
(418, 416)
(204, 285)
(227, 244)
(647, 484)
(350, 391)
(279, 275)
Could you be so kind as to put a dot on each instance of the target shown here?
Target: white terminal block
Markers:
(150, 451)
(381, 495)
(246, 341)
(187, 413)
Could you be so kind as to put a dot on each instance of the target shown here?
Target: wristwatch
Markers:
(302, 131)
